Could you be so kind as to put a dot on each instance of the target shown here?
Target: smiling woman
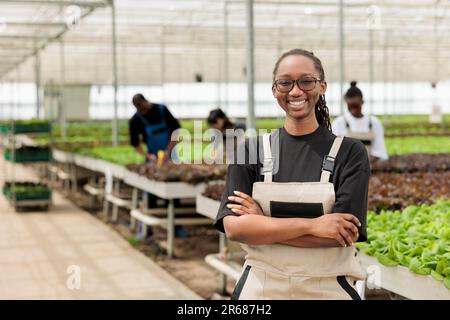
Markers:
(301, 207)
(295, 87)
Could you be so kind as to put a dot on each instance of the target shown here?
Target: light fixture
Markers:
(198, 77)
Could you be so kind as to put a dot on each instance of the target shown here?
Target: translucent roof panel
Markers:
(173, 40)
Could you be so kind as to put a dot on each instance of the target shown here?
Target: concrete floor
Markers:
(66, 253)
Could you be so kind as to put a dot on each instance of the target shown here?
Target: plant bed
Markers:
(422, 144)
(417, 237)
(28, 154)
(412, 134)
(388, 191)
(189, 173)
(27, 191)
(214, 191)
(414, 162)
(396, 191)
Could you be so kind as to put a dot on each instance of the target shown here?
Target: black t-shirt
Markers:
(300, 160)
(137, 127)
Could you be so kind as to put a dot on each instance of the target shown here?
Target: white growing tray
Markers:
(89, 163)
(165, 190)
(207, 206)
(62, 156)
(402, 281)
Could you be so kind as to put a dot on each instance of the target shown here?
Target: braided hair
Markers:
(321, 109)
(353, 91)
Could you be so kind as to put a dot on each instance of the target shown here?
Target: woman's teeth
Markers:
(297, 103)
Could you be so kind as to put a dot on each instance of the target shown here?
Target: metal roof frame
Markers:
(199, 26)
(160, 41)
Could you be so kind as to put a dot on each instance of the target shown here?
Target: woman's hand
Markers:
(244, 204)
(338, 226)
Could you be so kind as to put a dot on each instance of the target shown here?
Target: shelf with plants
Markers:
(26, 191)
(26, 126)
(16, 151)
(27, 154)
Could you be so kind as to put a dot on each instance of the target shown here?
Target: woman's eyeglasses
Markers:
(286, 85)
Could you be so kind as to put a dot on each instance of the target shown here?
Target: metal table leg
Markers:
(170, 228)
(92, 197)
(106, 204)
(142, 226)
(134, 205)
(74, 179)
(66, 182)
(115, 207)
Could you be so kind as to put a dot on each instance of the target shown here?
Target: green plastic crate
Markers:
(4, 128)
(39, 154)
(37, 127)
(27, 195)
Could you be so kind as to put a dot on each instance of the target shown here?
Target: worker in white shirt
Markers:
(355, 124)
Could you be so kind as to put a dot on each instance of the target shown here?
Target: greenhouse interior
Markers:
(193, 149)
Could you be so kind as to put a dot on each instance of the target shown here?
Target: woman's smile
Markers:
(297, 104)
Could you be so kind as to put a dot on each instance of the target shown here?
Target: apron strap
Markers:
(328, 160)
(161, 110)
(140, 116)
(163, 118)
(268, 159)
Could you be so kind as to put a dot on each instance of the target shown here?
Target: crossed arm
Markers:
(252, 227)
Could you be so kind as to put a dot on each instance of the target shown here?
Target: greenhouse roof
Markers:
(175, 40)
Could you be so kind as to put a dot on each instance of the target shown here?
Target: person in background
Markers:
(153, 125)
(355, 124)
(217, 119)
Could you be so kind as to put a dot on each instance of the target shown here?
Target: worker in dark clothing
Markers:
(153, 125)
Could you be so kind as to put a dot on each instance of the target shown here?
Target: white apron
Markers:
(365, 137)
(280, 271)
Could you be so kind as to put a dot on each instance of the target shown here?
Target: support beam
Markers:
(226, 55)
(371, 70)
(436, 43)
(115, 129)
(407, 5)
(15, 48)
(385, 76)
(62, 87)
(341, 56)
(34, 24)
(88, 4)
(38, 85)
(250, 70)
(22, 37)
(163, 61)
